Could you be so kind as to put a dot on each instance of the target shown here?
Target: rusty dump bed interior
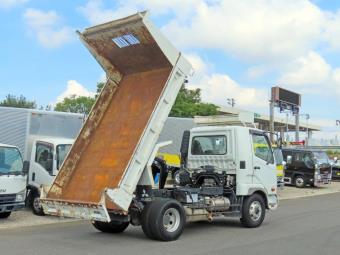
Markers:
(137, 71)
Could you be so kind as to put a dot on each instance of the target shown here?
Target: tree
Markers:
(18, 102)
(78, 104)
(188, 104)
(75, 104)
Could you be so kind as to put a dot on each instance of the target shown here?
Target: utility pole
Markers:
(271, 120)
(231, 101)
(297, 126)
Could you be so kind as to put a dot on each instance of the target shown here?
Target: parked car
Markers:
(306, 167)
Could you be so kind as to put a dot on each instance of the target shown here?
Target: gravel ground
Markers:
(26, 218)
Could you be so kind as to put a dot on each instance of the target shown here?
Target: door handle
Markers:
(257, 168)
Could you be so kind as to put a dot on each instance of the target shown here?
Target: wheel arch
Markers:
(263, 194)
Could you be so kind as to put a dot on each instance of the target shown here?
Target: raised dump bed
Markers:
(107, 160)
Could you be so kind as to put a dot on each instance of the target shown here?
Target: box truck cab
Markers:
(47, 156)
(13, 179)
(43, 138)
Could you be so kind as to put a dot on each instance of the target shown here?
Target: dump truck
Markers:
(107, 176)
(13, 178)
(43, 138)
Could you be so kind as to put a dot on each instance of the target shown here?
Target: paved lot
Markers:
(300, 226)
(290, 192)
(27, 218)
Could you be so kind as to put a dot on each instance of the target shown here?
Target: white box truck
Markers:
(43, 138)
(107, 176)
(13, 179)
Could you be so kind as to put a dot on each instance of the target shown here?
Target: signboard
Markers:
(280, 95)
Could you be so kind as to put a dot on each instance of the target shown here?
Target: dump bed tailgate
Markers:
(145, 73)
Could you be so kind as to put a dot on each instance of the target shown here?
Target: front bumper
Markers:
(11, 207)
(322, 180)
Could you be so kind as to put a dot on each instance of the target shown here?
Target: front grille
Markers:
(7, 199)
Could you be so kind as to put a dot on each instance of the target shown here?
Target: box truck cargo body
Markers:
(43, 138)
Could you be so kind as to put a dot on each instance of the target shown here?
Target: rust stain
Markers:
(101, 153)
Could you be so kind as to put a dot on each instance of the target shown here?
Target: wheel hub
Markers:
(171, 219)
(255, 211)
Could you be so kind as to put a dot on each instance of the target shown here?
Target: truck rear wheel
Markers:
(110, 227)
(253, 211)
(5, 215)
(165, 220)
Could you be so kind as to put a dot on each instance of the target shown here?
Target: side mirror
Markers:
(26, 167)
(289, 159)
(185, 147)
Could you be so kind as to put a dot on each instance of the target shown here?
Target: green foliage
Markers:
(78, 104)
(18, 102)
(75, 104)
(188, 104)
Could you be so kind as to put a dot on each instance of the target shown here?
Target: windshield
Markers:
(10, 161)
(278, 156)
(321, 157)
(62, 150)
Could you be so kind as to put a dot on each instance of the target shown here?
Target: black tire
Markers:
(114, 227)
(145, 221)
(253, 211)
(168, 210)
(5, 215)
(34, 203)
(299, 181)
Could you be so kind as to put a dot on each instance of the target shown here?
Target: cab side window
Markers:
(44, 155)
(262, 148)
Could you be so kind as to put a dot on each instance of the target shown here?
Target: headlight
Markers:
(20, 197)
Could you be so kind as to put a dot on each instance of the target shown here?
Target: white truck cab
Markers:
(13, 180)
(234, 150)
(47, 156)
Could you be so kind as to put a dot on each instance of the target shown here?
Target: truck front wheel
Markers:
(110, 227)
(165, 220)
(5, 215)
(253, 211)
(34, 202)
(300, 181)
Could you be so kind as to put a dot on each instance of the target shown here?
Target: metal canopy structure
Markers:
(262, 121)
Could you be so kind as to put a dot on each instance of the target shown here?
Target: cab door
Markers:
(264, 168)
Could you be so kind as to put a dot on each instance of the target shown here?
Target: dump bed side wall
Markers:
(144, 74)
(108, 153)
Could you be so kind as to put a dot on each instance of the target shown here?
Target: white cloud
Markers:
(7, 4)
(198, 64)
(251, 30)
(312, 74)
(311, 69)
(216, 88)
(74, 88)
(95, 11)
(47, 27)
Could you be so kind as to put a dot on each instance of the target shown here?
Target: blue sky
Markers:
(238, 48)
